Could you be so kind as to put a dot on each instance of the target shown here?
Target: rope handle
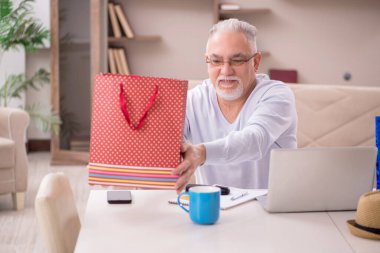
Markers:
(123, 107)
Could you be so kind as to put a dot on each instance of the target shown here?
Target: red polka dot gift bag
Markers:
(136, 130)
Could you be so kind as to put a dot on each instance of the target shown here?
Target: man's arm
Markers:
(274, 115)
(267, 123)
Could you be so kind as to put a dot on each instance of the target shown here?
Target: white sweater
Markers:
(238, 154)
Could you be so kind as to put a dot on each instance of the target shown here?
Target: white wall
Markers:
(35, 61)
(12, 62)
(41, 98)
(321, 39)
(42, 13)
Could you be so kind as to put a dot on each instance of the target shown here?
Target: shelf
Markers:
(244, 11)
(136, 38)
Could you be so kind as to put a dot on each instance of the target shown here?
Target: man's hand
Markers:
(193, 156)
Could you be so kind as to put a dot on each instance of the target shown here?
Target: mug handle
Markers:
(179, 201)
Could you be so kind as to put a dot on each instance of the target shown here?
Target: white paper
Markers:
(226, 202)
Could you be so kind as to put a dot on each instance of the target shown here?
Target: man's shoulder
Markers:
(268, 85)
(267, 89)
(264, 81)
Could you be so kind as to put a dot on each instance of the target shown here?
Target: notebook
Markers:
(319, 179)
(236, 197)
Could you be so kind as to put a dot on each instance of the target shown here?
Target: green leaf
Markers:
(5, 8)
(15, 85)
(19, 28)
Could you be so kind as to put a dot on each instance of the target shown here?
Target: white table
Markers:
(150, 224)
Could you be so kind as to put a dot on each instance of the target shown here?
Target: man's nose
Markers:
(226, 69)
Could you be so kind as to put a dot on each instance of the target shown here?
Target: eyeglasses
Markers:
(233, 62)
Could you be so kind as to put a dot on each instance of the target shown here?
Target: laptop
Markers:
(319, 179)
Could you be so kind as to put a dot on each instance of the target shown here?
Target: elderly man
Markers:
(235, 118)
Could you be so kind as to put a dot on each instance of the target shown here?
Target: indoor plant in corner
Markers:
(19, 29)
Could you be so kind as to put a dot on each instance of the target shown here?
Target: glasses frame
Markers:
(230, 61)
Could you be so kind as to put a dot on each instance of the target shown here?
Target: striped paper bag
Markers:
(136, 130)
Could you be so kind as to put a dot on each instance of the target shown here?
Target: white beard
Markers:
(229, 95)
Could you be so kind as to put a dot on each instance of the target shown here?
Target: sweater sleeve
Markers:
(274, 114)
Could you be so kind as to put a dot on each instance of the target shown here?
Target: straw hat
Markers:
(367, 219)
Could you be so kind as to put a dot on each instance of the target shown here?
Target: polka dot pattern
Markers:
(157, 143)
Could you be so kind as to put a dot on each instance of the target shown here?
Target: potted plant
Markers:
(19, 29)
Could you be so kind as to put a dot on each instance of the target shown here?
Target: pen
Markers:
(235, 197)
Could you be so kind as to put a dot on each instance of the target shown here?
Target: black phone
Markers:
(119, 197)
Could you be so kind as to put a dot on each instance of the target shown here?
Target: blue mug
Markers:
(204, 204)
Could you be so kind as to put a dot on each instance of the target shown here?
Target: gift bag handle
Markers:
(123, 107)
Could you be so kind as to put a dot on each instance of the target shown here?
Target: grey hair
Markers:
(235, 25)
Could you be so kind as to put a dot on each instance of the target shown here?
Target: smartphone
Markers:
(119, 197)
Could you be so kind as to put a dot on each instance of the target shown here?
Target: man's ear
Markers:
(257, 61)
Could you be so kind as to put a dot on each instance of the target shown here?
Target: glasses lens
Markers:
(218, 62)
(237, 62)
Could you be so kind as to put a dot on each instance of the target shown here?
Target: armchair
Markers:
(13, 159)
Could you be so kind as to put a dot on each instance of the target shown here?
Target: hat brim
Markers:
(355, 230)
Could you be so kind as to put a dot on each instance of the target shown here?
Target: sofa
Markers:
(13, 158)
(334, 115)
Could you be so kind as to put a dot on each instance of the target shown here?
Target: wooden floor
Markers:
(19, 231)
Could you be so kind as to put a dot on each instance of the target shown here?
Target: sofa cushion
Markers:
(336, 115)
(7, 153)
